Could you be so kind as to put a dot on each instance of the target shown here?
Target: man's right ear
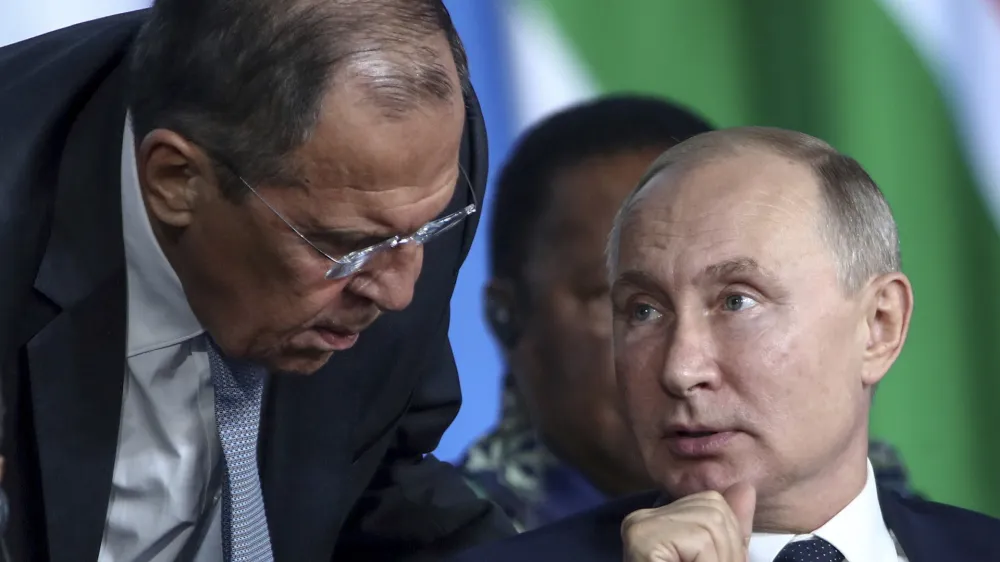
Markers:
(501, 312)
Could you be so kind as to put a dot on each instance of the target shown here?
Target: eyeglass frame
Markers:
(352, 262)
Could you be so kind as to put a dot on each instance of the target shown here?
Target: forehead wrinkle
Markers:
(437, 201)
(760, 204)
(653, 237)
(354, 217)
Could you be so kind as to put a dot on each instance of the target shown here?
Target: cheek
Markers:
(577, 332)
(304, 304)
(767, 362)
(306, 269)
(572, 352)
(639, 355)
(780, 370)
(638, 362)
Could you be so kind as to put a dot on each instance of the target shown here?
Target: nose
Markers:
(689, 365)
(390, 282)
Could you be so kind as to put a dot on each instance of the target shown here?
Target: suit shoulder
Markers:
(54, 60)
(74, 34)
(967, 534)
(593, 535)
(954, 515)
(47, 80)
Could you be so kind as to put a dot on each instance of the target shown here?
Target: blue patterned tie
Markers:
(239, 387)
(810, 550)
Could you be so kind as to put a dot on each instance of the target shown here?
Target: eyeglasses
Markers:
(351, 263)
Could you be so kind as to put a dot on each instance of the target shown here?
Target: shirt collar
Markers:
(158, 311)
(857, 531)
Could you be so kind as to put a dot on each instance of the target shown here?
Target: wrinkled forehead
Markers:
(751, 204)
(382, 176)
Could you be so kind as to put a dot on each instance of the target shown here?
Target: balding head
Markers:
(855, 218)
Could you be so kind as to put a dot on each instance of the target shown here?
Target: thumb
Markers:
(742, 499)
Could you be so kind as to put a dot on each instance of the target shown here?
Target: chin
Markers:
(686, 477)
(298, 364)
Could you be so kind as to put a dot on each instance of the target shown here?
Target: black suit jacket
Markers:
(344, 454)
(927, 532)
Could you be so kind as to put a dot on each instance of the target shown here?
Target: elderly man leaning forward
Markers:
(758, 301)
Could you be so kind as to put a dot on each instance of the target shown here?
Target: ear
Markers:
(174, 174)
(888, 309)
(501, 312)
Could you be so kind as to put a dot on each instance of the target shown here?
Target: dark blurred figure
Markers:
(562, 445)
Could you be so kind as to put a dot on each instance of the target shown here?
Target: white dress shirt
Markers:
(858, 532)
(164, 503)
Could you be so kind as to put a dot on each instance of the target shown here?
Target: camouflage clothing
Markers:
(512, 467)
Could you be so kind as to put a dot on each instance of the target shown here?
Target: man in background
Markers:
(561, 445)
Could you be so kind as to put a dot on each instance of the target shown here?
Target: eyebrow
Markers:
(735, 267)
(347, 238)
(358, 239)
(717, 271)
(637, 278)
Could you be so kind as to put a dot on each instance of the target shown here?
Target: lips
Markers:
(689, 430)
(336, 339)
(695, 433)
(692, 441)
(328, 335)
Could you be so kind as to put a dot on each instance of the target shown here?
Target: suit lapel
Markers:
(305, 453)
(920, 542)
(76, 362)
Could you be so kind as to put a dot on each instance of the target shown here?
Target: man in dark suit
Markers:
(199, 203)
(758, 300)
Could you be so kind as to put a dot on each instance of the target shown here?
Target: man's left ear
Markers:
(172, 173)
(888, 308)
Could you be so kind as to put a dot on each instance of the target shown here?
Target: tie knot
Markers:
(814, 549)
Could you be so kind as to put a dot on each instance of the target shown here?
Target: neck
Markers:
(810, 503)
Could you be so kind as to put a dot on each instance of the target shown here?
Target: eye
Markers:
(642, 312)
(737, 302)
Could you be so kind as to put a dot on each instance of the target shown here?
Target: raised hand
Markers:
(702, 527)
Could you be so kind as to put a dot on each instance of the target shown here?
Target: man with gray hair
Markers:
(200, 205)
(758, 300)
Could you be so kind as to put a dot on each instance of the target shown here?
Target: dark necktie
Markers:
(810, 550)
(239, 387)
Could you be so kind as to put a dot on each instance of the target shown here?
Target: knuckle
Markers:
(632, 520)
(716, 517)
(706, 542)
(714, 496)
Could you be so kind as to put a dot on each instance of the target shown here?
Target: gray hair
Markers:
(858, 223)
(246, 79)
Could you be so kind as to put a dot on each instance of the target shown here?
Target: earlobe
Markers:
(171, 170)
(501, 312)
(888, 316)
